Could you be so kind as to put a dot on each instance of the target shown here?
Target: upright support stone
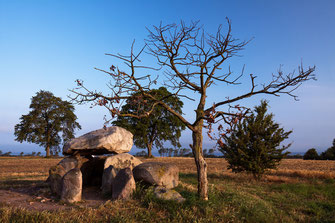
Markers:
(123, 185)
(57, 172)
(107, 179)
(72, 186)
(113, 165)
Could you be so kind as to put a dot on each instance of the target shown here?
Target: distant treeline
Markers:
(20, 154)
(52, 153)
(328, 154)
(183, 152)
(170, 152)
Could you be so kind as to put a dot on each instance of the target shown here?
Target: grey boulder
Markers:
(57, 172)
(112, 166)
(168, 194)
(121, 161)
(108, 176)
(123, 185)
(156, 173)
(102, 141)
(72, 186)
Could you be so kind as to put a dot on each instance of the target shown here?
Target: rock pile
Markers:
(115, 175)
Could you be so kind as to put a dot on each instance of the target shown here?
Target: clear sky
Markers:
(49, 44)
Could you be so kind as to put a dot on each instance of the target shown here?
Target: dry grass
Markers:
(25, 167)
(289, 168)
(37, 168)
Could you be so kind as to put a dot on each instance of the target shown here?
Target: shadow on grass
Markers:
(21, 183)
(30, 188)
(23, 186)
(174, 211)
(192, 177)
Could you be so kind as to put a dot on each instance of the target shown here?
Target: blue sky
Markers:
(49, 44)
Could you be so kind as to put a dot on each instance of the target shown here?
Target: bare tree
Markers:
(192, 61)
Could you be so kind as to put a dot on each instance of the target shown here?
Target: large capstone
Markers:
(156, 173)
(102, 141)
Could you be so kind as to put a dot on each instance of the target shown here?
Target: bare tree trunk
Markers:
(149, 153)
(200, 163)
(47, 150)
(149, 147)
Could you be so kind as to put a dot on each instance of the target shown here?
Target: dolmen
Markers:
(101, 158)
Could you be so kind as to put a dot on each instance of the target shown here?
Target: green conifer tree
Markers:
(254, 144)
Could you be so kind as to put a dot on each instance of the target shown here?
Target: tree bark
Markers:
(48, 134)
(149, 147)
(197, 147)
(47, 150)
(200, 162)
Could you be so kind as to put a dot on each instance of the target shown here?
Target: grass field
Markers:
(298, 191)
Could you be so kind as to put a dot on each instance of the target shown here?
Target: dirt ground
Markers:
(40, 199)
(22, 180)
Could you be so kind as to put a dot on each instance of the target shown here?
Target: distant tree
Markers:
(141, 154)
(253, 145)
(48, 117)
(38, 154)
(329, 154)
(181, 152)
(210, 153)
(21, 153)
(159, 126)
(205, 152)
(170, 151)
(55, 153)
(175, 152)
(163, 151)
(295, 156)
(7, 154)
(0, 152)
(33, 153)
(311, 154)
(160, 152)
(186, 152)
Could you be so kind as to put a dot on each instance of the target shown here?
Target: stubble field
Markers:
(298, 191)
